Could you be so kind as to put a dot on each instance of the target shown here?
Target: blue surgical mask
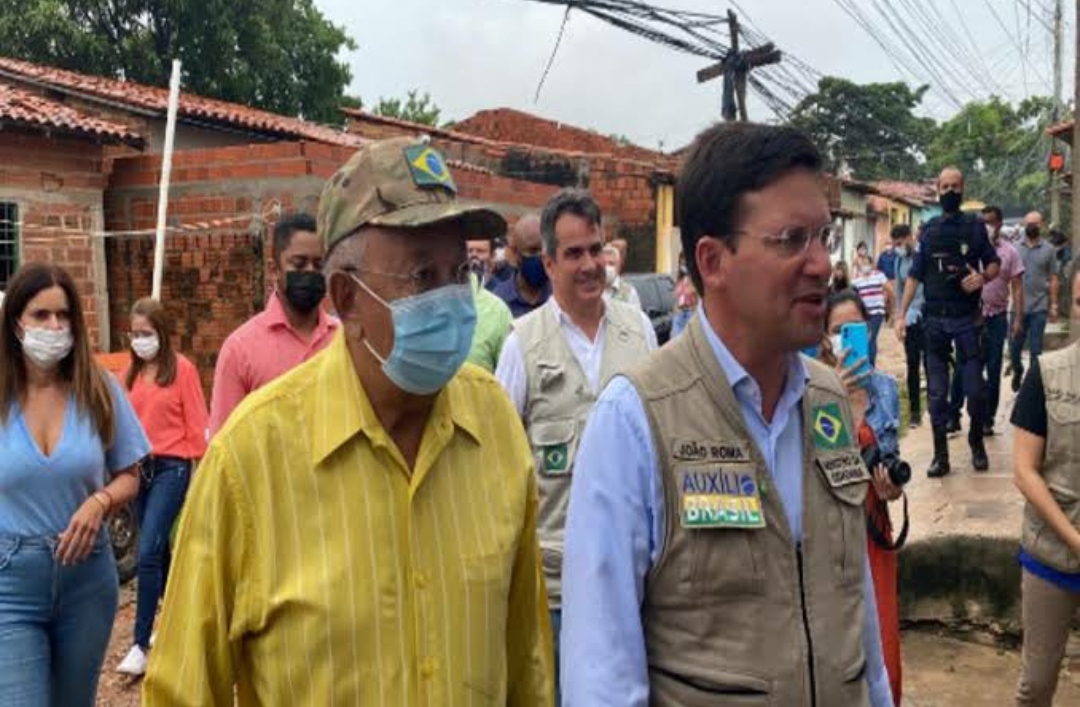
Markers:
(433, 335)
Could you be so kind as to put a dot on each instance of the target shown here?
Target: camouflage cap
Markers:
(402, 182)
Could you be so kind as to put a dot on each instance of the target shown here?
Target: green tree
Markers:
(870, 130)
(280, 55)
(415, 108)
(1001, 149)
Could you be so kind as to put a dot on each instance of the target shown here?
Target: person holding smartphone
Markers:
(875, 411)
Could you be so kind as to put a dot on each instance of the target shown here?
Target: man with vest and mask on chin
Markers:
(954, 260)
(291, 329)
(529, 288)
(716, 537)
(363, 530)
(558, 358)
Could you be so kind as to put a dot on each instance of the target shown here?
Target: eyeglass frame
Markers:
(781, 240)
(416, 277)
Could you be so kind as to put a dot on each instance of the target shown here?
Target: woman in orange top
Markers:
(165, 390)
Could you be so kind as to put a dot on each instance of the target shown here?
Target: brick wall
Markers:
(508, 125)
(519, 178)
(57, 185)
(215, 278)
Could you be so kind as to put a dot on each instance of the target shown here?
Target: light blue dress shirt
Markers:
(615, 529)
(915, 310)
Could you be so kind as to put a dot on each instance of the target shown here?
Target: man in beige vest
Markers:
(716, 539)
(557, 359)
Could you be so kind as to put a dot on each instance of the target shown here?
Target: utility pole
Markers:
(1059, 47)
(735, 68)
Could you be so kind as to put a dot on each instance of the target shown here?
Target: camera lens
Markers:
(899, 472)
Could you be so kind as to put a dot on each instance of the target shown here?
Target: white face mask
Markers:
(610, 274)
(47, 347)
(146, 347)
(836, 342)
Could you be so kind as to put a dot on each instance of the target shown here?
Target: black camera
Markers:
(899, 470)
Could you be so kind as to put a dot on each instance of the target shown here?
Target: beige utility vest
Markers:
(559, 398)
(1061, 462)
(735, 612)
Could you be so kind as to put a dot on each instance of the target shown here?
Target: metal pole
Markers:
(163, 187)
(1059, 48)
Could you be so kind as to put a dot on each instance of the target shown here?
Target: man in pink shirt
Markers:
(291, 329)
(995, 306)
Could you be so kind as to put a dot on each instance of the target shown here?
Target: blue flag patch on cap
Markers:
(428, 168)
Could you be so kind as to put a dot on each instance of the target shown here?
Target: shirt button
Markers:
(428, 667)
(421, 580)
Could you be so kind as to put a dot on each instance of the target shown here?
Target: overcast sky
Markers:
(476, 54)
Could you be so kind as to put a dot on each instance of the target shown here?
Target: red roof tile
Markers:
(140, 96)
(909, 191)
(22, 107)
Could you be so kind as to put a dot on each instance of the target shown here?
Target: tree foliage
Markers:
(1000, 148)
(280, 55)
(870, 131)
(414, 108)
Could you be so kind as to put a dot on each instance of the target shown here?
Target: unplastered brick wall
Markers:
(215, 278)
(56, 182)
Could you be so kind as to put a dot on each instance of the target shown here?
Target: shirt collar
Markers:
(343, 409)
(275, 316)
(745, 387)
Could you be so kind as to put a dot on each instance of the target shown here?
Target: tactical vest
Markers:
(945, 246)
(1061, 463)
(559, 399)
(735, 611)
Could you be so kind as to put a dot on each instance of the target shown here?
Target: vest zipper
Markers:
(806, 625)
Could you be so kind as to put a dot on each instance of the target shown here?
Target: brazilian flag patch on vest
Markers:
(829, 430)
(556, 458)
(428, 168)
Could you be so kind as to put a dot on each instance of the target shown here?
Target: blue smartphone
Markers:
(855, 339)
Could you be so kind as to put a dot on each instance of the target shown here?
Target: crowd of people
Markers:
(579, 517)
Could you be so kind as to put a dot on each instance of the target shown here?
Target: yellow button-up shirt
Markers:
(314, 568)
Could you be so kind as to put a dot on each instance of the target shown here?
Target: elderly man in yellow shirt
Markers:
(362, 531)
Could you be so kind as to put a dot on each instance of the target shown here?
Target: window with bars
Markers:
(9, 242)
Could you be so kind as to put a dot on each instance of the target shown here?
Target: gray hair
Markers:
(577, 202)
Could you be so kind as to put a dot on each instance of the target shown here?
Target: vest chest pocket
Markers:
(1064, 417)
(845, 476)
(553, 444)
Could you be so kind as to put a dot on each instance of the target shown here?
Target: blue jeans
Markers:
(997, 332)
(161, 496)
(55, 622)
(556, 629)
(874, 323)
(1032, 330)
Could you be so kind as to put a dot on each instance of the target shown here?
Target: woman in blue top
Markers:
(69, 449)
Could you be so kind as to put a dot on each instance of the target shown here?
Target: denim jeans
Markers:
(1032, 330)
(874, 322)
(161, 496)
(55, 622)
(915, 357)
(997, 332)
(556, 629)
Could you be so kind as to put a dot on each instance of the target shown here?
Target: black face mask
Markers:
(1032, 231)
(304, 290)
(950, 201)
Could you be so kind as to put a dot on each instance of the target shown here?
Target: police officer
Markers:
(954, 260)
(716, 538)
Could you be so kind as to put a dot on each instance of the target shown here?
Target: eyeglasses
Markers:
(795, 240)
(425, 278)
